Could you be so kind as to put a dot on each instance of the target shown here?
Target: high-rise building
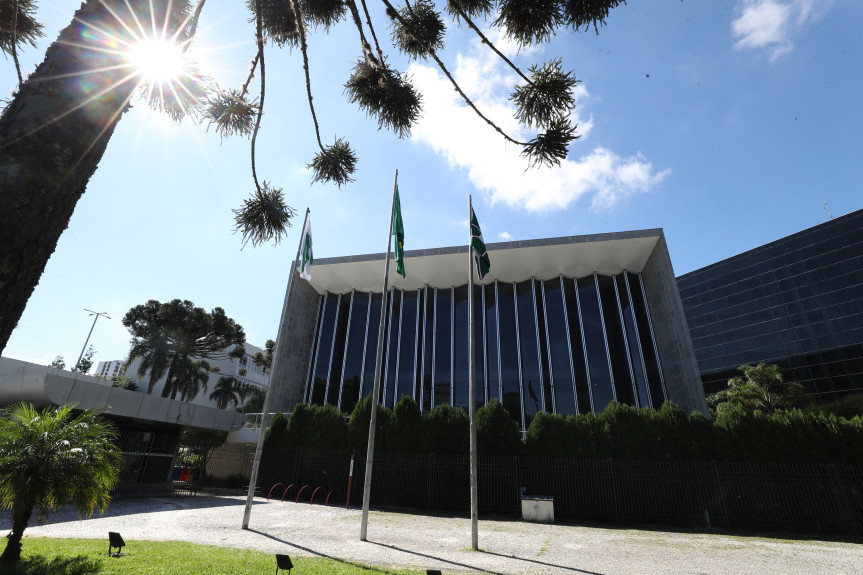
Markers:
(106, 369)
(796, 302)
(561, 325)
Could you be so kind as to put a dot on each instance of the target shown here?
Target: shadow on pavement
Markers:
(437, 558)
(369, 568)
(540, 562)
(123, 507)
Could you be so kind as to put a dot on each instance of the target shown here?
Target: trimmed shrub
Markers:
(328, 430)
(497, 433)
(406, 426)
(446, 430)
(358, 426)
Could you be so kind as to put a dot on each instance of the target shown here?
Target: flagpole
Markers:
(370, 450)
(269, 395)
(474, 504)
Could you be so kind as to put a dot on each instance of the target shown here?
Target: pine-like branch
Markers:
(372, 29)
(259, 39)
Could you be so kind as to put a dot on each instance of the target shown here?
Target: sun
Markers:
(157, 61)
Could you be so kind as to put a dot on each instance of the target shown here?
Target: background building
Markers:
(796, 302)
(106, 369)
(243, 370)
(562, 325)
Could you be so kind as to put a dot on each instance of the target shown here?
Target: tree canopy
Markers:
(51, 150)
(762, 387)
(175, 337)
(52, 458)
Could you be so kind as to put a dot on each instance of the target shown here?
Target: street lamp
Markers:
(86, 341)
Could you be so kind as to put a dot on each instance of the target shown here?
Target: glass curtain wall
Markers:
(563, 345)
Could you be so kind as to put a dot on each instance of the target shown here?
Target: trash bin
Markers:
(539, 508)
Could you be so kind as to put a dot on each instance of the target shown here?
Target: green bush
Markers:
(405, 429)
(328, 430)
(496, 431)
(446, 429)
(358, 426)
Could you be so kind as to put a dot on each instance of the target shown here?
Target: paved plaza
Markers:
(438, 542)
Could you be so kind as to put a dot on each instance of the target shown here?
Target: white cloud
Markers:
(495, 166)
(771, 24)
(505, 236)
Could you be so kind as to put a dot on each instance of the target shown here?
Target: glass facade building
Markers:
(562, 345)
(796, 302)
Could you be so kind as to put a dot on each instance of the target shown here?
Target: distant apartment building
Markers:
(106, 369)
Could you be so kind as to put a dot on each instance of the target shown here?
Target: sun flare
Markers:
(157, 61)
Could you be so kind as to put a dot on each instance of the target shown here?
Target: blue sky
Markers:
(728, 124)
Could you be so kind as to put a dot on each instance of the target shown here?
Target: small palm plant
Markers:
(52, 458)
(226, 392)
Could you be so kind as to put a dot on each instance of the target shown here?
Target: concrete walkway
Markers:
(429, 542)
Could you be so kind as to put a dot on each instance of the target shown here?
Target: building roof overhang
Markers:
(543, 259)
(43, 386)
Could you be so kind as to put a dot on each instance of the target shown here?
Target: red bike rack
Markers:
(287, 489)
(300, 492)
(271, 490)
(312, 500)
(327, 502)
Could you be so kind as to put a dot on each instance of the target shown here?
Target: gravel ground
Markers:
(432, 542)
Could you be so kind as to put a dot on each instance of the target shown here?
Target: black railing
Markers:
(776, 497)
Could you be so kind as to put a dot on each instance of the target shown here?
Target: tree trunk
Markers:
(52, 136)
(20, 518)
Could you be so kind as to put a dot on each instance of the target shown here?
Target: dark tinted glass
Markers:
(600, 378)
(573, 317)
(461, 360)
(616, 343)
(428, 349)
(558, 345)
(509, 351)
(443, 349)
(547, 396)
(372, 344)
(310, 374)
(478, 347)
(325, 350)
(491, 342)
(408, 347)
(354, 352)
(530, 378)
(632, 339)
(339, 340)
(394, 325)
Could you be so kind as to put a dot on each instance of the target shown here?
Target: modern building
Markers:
(243, 370)
(562, 325)
(106, 369)
(796, 302)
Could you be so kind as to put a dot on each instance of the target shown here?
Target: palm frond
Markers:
(382, 92)
(334, 163)
(264, 217)
(547, 96)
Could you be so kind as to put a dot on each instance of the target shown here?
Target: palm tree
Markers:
(155, 354)
(51, 458)
(196, 376)
(225, 392)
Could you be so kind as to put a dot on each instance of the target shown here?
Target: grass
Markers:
(47, 556)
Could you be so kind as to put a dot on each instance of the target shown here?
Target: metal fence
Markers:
(775, 497)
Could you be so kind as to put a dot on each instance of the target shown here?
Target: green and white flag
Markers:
(399, 233)
(307, 258)
(483, 264)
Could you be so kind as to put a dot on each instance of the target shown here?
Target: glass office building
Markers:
(564, 325)
(796, 302)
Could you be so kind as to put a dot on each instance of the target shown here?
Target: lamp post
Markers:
(86, 341)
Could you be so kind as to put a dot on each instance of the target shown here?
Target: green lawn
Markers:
(45, 556)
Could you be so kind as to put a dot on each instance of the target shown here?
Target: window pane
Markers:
(530, 380)
(310, 375)
(325, 348)
(408, 346)
(428, 353)
(354, 353)
(548, 405)
(632, 339)
(393, 326)
(600, 378)
(460, 348)
(478, 347)
(577, 347)
(442, 353)
(616, 343)
(509, 351)
(339, 350)
(372, 344)
(651, 363)
(491, 342)
(559, 348)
